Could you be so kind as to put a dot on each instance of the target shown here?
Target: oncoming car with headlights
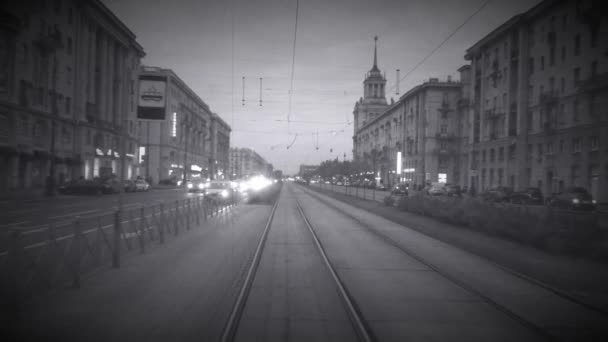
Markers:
(196, 185)
(218, 190)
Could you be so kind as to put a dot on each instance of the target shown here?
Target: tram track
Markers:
(360, 327)
(539, 330)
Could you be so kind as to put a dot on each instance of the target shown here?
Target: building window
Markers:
(531, 65)
(24, 126)
(492, 155)
(575, 114)
(71, 16)
(563, 85)
(483, 156)
(563, 53)
(593, 71)
(577, 76)
(501, 154)
(69, 46)
(542, 63)
(174, 125)
(577, 45)
(511, 151)
(444, 129)
(68, 105)
(576, 145)
(561, 146)
(552, 56)
(68, 75)
(564, 22)
(593, 143)
(500, 176)
(57, 6)
(549, 148)
(539, 151)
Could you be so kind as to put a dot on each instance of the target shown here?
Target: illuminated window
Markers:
(442, 177)
(174, 125)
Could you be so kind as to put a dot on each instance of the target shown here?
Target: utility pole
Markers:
(186, 124)
(51, 44)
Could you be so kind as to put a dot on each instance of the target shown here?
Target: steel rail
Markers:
(531, 325)
(362, 329)
(238, 307)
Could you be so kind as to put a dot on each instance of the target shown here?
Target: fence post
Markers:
(374, 193)
(161, 223)
(117, 234)
(188, 213)
(198, 211)
(176, 232)
(141, 231)
(13, 263)
(77, 253)
(98, 242)
(205, 208)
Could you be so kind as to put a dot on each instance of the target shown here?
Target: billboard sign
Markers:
(152, 97)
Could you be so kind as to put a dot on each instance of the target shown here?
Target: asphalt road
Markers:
(405, 286)
(32, 214)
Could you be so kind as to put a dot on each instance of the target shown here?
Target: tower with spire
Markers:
(373, 103)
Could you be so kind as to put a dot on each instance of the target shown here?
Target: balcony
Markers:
(548, 128)
(548, 97)
(493, 114)
(595, 83)
(445, 136)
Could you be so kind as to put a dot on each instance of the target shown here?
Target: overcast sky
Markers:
(334, 49)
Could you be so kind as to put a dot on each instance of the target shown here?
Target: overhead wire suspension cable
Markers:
(443, 42)
(293, 62)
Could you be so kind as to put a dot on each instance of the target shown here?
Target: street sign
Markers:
(151, 98)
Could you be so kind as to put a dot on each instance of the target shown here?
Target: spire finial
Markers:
(375, 53)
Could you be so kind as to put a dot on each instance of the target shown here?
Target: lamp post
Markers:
(49, 45)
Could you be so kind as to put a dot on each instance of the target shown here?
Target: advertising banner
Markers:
(151, 98)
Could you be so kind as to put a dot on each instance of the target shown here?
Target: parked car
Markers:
(437, 189)
(453, 190)
(400, 189)
(497, 194)
(573, 198)
(141, 185)
(129, 185)
(381, 187)
(527, 196)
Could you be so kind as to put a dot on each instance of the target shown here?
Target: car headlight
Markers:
(201, 185)
(189, 185)
(575, 200)
(225, 193)
(593, 201)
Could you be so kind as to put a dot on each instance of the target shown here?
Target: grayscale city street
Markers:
(299, 171)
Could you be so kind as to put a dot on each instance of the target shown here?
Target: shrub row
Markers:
(553, 230)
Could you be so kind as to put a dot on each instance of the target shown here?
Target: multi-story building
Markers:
(308, 169)
(220, 148)
(424, 126)
(373, 103)
(189, 140)
(539, 94)
(245, 162)
(68, 70)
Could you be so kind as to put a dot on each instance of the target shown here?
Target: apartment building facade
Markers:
(188, 140)
(539, 98)
(68, 71)
(245, 162)
(424, 127)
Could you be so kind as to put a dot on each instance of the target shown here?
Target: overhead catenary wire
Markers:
(293, 62)
(479, 9)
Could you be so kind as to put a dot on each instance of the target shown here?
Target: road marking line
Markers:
(74, 214)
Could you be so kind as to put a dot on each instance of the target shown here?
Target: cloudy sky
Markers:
(333, 50)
